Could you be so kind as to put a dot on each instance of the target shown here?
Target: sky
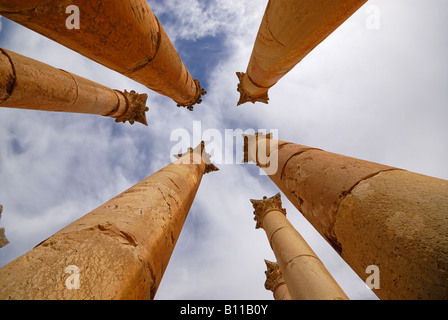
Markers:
(373, 90)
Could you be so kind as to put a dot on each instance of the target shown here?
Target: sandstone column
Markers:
(304, 273)
(29, 84)
(119, 250)
(372, 214)
(275, 281)
(3, 240)
(290, 29)
(122, 35)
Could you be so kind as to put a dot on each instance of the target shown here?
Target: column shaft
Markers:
(29, 84)
(290, 29)
(304, 273)
(370, 213)
(122, 35)
(282, 293)
(120, 249)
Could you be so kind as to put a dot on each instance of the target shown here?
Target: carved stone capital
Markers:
(245, 96)
(136, 108)
(197, 155)
(197, 100)
(274, 276)
(3, 240)
(264, 206)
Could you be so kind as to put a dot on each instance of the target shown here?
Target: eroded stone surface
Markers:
(288, 32)
(3, 240)
(121, 249)
(124, 36)
(373, 215)
(29, 84)
(398, 221)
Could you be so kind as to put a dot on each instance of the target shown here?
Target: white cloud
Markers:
(201, 18)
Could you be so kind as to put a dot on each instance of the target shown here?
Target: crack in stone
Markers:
(302, 255)
(11, 81)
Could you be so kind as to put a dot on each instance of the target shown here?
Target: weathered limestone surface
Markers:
(305, 275)
(29, 84)
(275, 281)
(371, 214)
(3, 240)
(290, 29)
(407, 219)
(121, 248)
(122, 35)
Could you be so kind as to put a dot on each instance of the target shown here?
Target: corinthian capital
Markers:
(196, 156)
(246, 96)
(274, 276)
(136, 108)
(264, 206)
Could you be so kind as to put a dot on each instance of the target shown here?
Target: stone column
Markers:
(305, 275)
(29, 84)
(290, 29)
(124, 36)
(372, 214)
(275, 281)
(3, 240)
(119, 250)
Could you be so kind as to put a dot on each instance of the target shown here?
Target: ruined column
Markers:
(29, 84)
(124, 36)
(305, 274)
(119, 250)
(372, 214)
(275, 281)
(290, 29)
(3, 240)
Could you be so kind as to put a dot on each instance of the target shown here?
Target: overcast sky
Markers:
(375, 92)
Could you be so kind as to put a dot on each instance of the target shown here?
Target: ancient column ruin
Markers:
(29, 84)
(124, 36)
(372, 214)
(119, 250)
(305, 275)
(3, 240)
(275, 281)
(290, 29)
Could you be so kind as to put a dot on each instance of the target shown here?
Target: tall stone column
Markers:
(29, 84)
(3, 240)
(290, 29)
(124, 36)
(119, 250)
(372, 214)
(275, 281)
(304, 273)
